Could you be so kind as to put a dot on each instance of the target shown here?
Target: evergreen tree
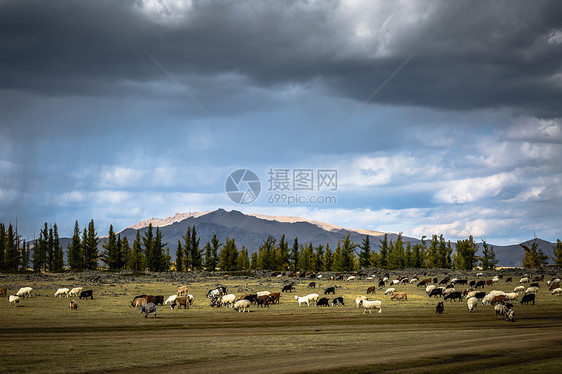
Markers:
(39, 250)
(347, 258)
(179, 256)
(294, 255)
(336, 258)
(136, 257)
(148, 248)
(465, 256)
(396, 254)
(282, 255)
(188, 265)
(75, 256)
(432, 257)
(210, 263)
(488, 260)
(26, 249)
(254, 261)
(90, 243)
(383, 253)
(125, 251)
(319, 258)
(228, 255)
(557, 251)
(2, 246)
(213, 260)
(306, 258)
(328, 259)
(196, 258)
(266, 254)
(243, 260)
(365, 253)
(58, 262)
(111, 255)
(11, 250)
(161, 256)
(408, 256)
(50, 262)
(534, 256)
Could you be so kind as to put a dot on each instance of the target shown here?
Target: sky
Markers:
(419, 117)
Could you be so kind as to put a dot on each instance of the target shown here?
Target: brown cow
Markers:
(275, 296)
(159, 299)
(538, 279)
(554, 286)
(498, 299)
(399, 296)
(372, 289)
(179, 301)
(488, 282)
(264, 300)
(3, 291)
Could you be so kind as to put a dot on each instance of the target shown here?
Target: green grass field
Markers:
(108, 335)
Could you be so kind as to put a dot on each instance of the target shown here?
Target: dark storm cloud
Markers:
(467, 55)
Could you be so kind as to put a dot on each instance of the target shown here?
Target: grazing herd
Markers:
(474, 292)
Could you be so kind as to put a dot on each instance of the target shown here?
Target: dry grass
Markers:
(107, 334)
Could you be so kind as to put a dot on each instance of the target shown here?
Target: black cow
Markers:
(87, 293)
(450, 286)
(528, 298)
(461, 281)
(480, 284)
(444, 281)
(330, 290)
(480, 295)
(508, 280)
(453, 296)
(251, 297)
(338, 301)
(288, 288)
(312, 285)
(439, 308)
(148, 308)
(323, 302)
(535, 285)
(472, 283)
(381, 283)
(422, 283)
(436, 292)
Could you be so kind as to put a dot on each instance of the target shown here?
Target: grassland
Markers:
(106, 334)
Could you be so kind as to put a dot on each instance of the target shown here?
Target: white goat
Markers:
(302, 299)
(24, 291)
(75, 291)
(534, 290)
(390, 291)
(358, 300)
(228, 300)
(313, 297)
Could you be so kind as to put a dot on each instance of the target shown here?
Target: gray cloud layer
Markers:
(466, 54)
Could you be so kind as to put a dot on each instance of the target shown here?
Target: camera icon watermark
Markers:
(243, 186)
(286, 186)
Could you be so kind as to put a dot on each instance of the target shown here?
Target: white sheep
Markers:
(413, 280)
(429, 288)
(242, 306)
(471, 294)
(14, 300)
(228, 300)
(557, 291)
(302, 299)
(390, 291)
(24, 291)
(489, 297)
(263, 293)
(75, 291)
(533, 290)
(511, 296)
(519, 289)
(370, 305)
(395, 281)
(472, 303)
(351, 277)
(62, 292)
(313, 297)
(358, 300)
(385, 279)
(524, 280)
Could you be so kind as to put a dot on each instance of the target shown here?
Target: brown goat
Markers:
(399, 296)
(73, 305)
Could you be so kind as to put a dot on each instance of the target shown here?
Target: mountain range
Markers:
(250, 230)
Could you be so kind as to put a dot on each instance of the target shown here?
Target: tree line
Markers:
(149, 252)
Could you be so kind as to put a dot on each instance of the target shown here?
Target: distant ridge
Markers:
(157, 222)
(251, 230)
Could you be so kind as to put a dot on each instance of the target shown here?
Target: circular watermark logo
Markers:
(243, 186)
